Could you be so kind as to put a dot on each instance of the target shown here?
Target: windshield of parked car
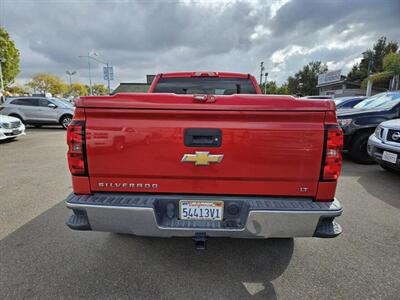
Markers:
(380, 101)
(62, 103)
(341, 100)
(205, 85)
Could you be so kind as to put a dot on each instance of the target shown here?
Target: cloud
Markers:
(145, 37)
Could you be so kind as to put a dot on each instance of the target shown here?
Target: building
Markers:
(335, 84)
(134, 87)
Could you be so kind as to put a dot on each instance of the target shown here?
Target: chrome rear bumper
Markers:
(142, 214)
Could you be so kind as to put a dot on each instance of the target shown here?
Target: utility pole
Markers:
(265, 85)
(2, 60)
(370, 61)
(369, 82)
(90, 75)
(70, 73)
(91, 56)
(108, 78)
(261, 71)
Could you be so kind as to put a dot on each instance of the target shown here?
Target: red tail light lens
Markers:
(333, 153)
(76, 147)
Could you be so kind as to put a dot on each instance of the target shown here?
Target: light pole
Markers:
(108, 70)
(261, 71)
(2, 60)
(265, 85)
(70, 74)
(91, 56)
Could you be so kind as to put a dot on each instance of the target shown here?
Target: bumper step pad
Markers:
(328, 229)
(78, 222)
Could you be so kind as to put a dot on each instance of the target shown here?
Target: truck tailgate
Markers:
(271, 150)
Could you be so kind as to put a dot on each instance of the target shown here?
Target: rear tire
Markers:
(65, 121)
(358, 149)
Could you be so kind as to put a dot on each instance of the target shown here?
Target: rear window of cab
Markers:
(205, 85)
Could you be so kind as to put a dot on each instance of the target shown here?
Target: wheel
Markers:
(389, 169)
(65, 120)
(358, 149)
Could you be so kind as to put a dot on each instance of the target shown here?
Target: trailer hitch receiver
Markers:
(200, 240)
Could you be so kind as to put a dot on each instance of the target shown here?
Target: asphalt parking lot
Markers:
(41, 258)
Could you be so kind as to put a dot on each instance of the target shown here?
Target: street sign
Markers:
(111, 73)
(108, 73)
(330, 76)
(105, 73)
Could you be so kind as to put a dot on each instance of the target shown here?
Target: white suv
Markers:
(384, 145)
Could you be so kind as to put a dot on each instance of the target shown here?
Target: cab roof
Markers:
(204, 74)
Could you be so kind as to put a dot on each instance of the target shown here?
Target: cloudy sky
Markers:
(147, 37)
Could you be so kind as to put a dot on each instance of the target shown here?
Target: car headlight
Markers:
(344, 122)
(377, 132)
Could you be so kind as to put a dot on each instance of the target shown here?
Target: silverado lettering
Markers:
(128, 185)
(222, 159)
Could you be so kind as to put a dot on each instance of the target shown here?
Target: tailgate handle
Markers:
(204, 98)
(202, 137)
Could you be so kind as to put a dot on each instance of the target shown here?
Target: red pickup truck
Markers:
(205, 155)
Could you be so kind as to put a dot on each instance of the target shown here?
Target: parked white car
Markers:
(384, 145)
(10, 127)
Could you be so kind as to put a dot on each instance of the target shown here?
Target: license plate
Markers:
(201, 210)
(16, 131)
(389, 156)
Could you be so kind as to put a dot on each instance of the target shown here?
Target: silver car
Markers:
(384, 145)
(39, 110)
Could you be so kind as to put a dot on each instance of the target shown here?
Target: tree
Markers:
(372, 60)
(99, 90)
(379, 51)
(391, 72)
(283, 90)
(9, 56)
(305, 81)
(16, 89)
(47, 83)
(79, 89)
(391, 63)
(274, 89)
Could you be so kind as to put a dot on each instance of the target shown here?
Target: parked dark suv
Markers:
(360, 122)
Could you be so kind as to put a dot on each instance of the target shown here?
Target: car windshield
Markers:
(338, 101)
(62, 103)
(381, 101)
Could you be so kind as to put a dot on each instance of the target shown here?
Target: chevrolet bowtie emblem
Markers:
(202, 158)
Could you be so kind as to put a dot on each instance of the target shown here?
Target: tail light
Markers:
(76, 148)
(332, 162)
